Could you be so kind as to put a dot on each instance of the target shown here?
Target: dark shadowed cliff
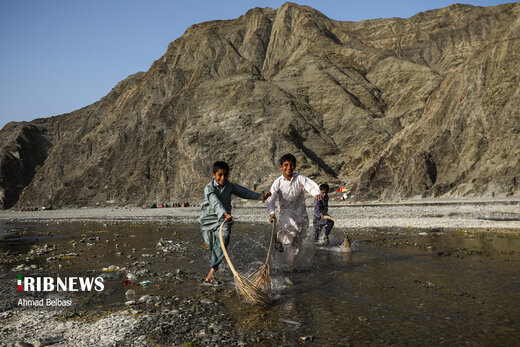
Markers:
(425, 106)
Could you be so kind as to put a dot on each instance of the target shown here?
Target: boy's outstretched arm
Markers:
(244, 193)
(311, 187)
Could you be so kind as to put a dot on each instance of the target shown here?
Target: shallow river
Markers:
(398, 286)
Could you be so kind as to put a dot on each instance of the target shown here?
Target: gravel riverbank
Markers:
(469, 214)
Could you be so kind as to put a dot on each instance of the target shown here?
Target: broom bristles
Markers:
(255, 289)
(262, 278)
(249, 292)
(346, 245)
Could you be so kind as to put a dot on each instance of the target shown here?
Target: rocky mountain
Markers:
(425, 106)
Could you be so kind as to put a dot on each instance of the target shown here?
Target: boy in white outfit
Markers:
(289, 188)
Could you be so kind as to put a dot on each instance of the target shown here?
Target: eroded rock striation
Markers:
(425, 106)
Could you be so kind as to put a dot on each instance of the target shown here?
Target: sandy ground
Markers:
(470, 214)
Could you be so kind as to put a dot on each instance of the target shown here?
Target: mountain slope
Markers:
(424, 106)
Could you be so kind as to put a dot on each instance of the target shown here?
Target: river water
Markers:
(398, 286)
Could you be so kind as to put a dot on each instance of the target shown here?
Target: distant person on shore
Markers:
(294, 222)
(321, 209)
(215, 209)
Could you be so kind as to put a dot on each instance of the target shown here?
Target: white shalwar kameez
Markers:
(293, 217)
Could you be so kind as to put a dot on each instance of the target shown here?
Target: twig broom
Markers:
(346, 246)
(256, 288)
(262, 276)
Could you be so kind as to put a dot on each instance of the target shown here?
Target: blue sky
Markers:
(60, 55)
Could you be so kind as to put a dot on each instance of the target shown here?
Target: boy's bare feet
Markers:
(212, 280)
(326, 239)
(210, 275)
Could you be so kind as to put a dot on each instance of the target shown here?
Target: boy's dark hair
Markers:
(288, 157)
(220, 165)
(324, 186)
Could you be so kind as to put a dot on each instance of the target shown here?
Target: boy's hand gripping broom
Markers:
(255, 289)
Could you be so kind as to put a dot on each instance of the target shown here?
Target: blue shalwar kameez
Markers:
(217, 201)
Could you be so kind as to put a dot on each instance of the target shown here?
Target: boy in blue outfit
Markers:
(321, 208)
(216, 208)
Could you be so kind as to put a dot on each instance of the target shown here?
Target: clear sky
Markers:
(60, 55)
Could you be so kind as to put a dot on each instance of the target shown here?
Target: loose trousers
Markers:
(319, 224)
(212, 239)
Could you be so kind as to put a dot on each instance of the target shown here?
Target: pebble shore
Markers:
(203, 319)
(470, 214)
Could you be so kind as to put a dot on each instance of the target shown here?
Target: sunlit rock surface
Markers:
(426, 106)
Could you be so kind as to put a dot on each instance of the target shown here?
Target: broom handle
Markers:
(225, 251)
(332, 219)
(329, 217)
(270, 244)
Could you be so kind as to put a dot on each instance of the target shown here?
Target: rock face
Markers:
(425, 106)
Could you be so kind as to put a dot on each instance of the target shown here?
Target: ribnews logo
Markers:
(59, 284)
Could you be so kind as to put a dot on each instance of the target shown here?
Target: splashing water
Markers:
(295, 258)
(336, 244)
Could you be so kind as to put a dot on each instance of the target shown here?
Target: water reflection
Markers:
(253, 318)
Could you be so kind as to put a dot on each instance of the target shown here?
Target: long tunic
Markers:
(293, 217)
(217, 201)
(321, 207)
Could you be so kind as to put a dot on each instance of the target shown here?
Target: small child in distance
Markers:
(321, 209)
